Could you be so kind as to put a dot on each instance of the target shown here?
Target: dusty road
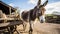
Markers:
(42, 28)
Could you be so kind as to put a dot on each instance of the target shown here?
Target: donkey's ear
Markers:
(45, 3)
(39, 2)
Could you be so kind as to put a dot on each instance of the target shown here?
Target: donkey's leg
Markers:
(30, 30)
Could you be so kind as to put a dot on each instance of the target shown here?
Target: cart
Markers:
(10, 23)
(10, 26)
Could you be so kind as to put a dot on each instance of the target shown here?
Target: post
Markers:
(16, 11)
(10, 10)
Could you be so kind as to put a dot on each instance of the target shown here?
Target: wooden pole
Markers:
(10, 10)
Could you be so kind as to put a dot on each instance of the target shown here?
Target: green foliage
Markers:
(48, 15)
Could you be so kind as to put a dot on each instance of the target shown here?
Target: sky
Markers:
(53, 5)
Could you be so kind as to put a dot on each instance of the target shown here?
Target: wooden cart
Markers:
(10, 26)
(13, 18)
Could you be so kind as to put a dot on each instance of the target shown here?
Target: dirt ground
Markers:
(41, 28)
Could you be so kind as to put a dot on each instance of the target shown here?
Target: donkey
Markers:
(34, 13)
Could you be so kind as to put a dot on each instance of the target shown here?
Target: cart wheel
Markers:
(15, 27)
(9, 30)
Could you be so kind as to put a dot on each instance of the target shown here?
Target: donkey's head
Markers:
(40, 8)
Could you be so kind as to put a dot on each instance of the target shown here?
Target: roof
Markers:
(7, 5)
(5, 8)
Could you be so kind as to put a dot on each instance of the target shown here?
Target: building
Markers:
(6, 8)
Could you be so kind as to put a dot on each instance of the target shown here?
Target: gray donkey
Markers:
(34, 13)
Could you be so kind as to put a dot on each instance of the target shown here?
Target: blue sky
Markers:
(26, 4)
(23, 3)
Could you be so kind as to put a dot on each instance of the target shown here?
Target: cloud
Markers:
(32, 1)
(11, 4)
(35, 1)
(50, 8)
